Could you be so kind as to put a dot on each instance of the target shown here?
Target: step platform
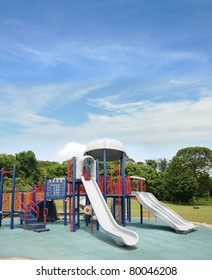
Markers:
(32, 223)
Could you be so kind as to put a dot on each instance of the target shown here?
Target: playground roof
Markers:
(138, 178)
(114, 149)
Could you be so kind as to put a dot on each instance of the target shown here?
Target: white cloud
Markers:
(23, 105)
(106, 104)
(72, 149)
(159, 123)
(158, 127)
(149, 127)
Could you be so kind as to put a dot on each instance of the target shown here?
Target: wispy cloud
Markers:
(25, 105)
(167, 124)
(133, 98)
(159, 123)
(33, 54)
(106, 103)
(121, 56)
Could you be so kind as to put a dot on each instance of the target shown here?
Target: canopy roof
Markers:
(114, 149)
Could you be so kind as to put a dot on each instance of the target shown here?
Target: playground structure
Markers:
(83, 183)
(24, 204)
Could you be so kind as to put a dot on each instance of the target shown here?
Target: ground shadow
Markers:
(146, 226)
(105, 238)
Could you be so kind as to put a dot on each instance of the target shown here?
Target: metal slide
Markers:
(120, 235)
(151, 203)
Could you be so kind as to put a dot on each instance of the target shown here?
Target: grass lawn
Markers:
(201, 215)
(188, 212)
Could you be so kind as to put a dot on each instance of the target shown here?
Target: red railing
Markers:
(45, 214)
(34, 206)
(24, 210)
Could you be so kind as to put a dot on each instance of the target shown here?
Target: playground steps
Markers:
(31, 222)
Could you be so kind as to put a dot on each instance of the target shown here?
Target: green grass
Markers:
(201, 215)
(59, 205)
(188, 212)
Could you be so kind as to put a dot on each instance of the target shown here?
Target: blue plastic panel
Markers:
(56, 189)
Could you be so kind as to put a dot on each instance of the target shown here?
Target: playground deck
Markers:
(156, 241)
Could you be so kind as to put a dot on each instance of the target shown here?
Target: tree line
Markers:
(188, 175)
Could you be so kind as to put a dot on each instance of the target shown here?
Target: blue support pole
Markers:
(74, 195)
(141, 214)
(105, 173)
(97, 171)
(97, 180)
(129, 208)
(64, 205)
(1, 193)
(123, 189)
(12, 199)
(87, 217)
(65, 212)
(45, 194)
(78, 206)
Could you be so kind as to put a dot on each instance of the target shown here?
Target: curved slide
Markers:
(151, 203)
(120, 235)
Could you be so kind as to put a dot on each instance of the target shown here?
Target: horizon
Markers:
(79, 154)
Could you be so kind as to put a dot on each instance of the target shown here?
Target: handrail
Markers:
(25, 213)
(5, 216)
(33, 209)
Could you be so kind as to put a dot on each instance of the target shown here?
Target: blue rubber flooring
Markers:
(156, 242)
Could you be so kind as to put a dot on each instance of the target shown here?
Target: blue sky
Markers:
(137, 71)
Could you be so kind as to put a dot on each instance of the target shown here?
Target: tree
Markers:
(154, 179)
(151, 163)
(52, 169)
(27, 165)
(180, 181)
(128, 159)
(7, 161)
(162, 165)
(199, 159)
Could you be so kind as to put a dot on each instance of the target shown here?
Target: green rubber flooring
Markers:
(156, 242)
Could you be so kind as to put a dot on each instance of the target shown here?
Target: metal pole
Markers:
(129, 208)
(123, 190)
(13, 199)
(105, 173)
(44, 201)
(1, 193)
(73, 195)
(141, 214)
(65, 203)
(97, 180)
(78, 206)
